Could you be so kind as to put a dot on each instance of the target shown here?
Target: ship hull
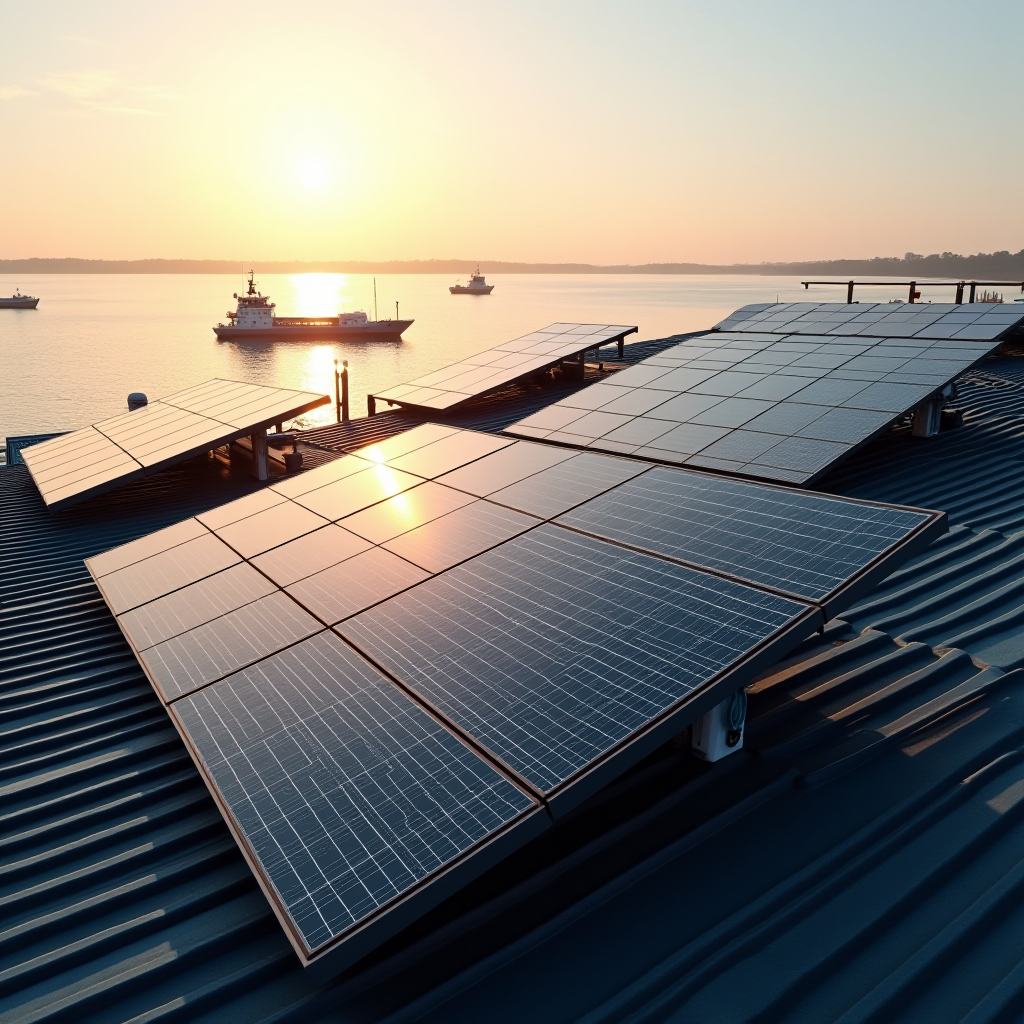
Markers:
(376, 330)
(18, 303)
(461, 289)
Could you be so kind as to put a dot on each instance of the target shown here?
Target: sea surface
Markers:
(97, 337)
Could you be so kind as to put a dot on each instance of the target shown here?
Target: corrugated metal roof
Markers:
(860, 860)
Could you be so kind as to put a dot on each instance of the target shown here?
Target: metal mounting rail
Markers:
(914, 294)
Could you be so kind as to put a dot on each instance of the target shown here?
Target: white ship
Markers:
(18, 301)
(475, 286)
(254, 318)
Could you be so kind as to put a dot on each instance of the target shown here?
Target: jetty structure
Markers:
(462, 723)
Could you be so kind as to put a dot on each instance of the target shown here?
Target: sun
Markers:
(312, 172)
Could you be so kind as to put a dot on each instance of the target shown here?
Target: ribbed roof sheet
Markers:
(860, 860)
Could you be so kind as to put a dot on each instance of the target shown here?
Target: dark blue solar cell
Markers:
(806, 544)
(346, 790)
(553, 648)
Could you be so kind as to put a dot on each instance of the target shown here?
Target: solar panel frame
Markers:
(468, 379)
(140, 443)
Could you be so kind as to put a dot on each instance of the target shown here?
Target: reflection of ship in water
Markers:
(475, 286)
(18, 301)
(254, 318)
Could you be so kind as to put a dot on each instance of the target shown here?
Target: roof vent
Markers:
(136, 400)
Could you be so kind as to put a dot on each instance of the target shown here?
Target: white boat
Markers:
(475, 286)
(254, 318)
(18, 301)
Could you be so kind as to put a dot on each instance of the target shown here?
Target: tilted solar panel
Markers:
(75, 466)
(777, 406)
(395, 668)
(494, 368)
(968, 321)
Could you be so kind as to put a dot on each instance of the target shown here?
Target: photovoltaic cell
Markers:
(347, 793)
(459, 535)
(169, 570)
(554, 648)
(469, 378)
(208, 652)
(75, 466)
(355, 584)
(194, 605)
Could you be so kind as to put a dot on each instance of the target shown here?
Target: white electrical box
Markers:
(720, 731)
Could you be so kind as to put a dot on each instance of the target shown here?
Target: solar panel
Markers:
(973, 321)
(347, 797)
(553, 650)
(497, 367)
(810, 546)
(777, 406)
(75, 466)
(521, 623)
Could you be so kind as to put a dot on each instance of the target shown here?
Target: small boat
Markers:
(475, 286)
(18, 301)
(254, 318)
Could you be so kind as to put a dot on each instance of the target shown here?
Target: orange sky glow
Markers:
(598, 132)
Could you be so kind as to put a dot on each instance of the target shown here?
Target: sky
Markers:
(595, 132)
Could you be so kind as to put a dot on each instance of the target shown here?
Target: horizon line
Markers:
(946, 263)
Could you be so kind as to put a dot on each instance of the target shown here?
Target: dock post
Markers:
(622, 342)
(337, 395)
(960, 293)
(913, 290)
(371, 406)
(344, 391)
(849, 292)
(258, 441)
(974, 288)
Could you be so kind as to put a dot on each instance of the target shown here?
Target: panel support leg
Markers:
(260, 469)
(928, 418)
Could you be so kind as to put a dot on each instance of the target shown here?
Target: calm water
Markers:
(94, 338)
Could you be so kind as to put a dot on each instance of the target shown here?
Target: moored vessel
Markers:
(18, 301)
(476, 285)
(254, 318)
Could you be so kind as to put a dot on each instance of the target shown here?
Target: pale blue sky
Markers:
(598, 132)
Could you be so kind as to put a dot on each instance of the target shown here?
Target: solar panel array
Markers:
(969, 321)
(469, 378)
(779, 406)
(394, 668)
(75, 466)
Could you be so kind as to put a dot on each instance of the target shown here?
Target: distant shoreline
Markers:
(1002, 265)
